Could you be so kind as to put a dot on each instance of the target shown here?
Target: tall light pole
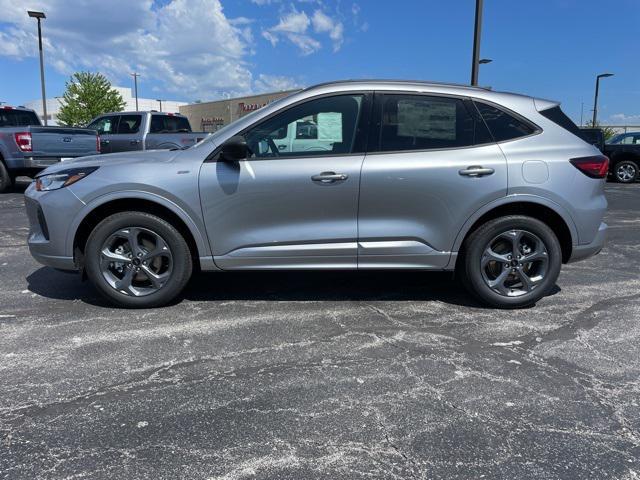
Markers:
(477, 33)
(159, 100)
(595, 100)
(135, 84)
(39, 16)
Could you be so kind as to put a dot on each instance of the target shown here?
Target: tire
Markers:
(6, 179)
(499, 283)
(160, 255)
(625, 171)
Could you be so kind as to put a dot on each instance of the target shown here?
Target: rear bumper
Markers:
(580, 252)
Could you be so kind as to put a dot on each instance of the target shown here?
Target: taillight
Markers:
(594, 167)
(23, 140)
(98, 143)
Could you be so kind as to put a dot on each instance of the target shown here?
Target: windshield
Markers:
(616, 139)
(230, 126)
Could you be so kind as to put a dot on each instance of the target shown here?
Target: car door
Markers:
(128, 137)
(290, 209)
(431, 164)
(106, 126)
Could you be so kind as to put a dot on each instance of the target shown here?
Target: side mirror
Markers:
(234, 149)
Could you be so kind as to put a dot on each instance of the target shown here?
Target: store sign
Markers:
(250, 107)
(212, 120)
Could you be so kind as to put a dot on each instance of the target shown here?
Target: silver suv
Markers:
(346, 175)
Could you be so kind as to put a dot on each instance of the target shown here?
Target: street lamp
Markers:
(39, 16)
(475, 61)
(159, 100)
(595, 100)
(484, 61)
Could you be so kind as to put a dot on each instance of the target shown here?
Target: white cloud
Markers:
(189, 47)
(295, 27)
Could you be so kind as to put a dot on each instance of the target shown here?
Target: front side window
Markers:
(503, 126)
(104, 125)
(129, 123)
(421, 122)
(323, 126)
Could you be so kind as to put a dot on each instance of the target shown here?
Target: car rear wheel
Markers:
(511, 262)
(626, 171)
(137, 260)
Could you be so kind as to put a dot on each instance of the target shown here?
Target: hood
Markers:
(141, 157)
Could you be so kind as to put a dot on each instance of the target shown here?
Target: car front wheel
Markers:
(137, 260)
(511, 262)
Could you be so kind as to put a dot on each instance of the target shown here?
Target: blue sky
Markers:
(207, 49)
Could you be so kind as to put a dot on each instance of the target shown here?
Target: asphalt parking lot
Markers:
(322, 375)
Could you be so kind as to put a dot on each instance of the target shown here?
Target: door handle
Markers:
(281, 147)
(134, 142)
(106, 142)
(476, 171)
(329, 177)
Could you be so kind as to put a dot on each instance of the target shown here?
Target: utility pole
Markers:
(135, 83)
(595, 100)
(39, 16)
(581, 113)
(477, 33)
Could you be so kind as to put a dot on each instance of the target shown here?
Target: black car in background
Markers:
(623, 151)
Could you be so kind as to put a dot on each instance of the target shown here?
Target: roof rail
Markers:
(383, 80)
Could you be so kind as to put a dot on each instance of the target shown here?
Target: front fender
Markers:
(204, 251)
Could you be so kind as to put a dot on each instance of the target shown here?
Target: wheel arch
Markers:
(546, 211)
(107, 205)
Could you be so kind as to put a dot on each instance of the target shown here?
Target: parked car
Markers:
(419, 176)
(26, 147)
(128, 131)
(623, 151)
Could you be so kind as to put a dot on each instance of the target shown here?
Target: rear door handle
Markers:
(134, 142)
(329, 177)
(476, 171)
(106, 142)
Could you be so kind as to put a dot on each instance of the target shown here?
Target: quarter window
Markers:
(420, 122)
(503, 126)
(324, 126)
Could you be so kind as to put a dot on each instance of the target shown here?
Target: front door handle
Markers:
(106, 142)
(476, 171)
(134, 142)
(329, 177)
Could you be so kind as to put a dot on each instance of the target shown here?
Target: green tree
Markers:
(88, 95)
(608, 132)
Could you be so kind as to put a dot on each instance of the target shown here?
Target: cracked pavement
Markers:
(327, 375)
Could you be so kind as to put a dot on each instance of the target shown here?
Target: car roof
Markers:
(383, 83)
(142, 112)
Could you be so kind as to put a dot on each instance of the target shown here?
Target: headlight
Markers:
(64, 178)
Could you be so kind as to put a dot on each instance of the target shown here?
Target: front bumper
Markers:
(580, 252)
(50, 215)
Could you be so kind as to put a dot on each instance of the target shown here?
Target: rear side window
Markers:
(421, 122)
(557, 116)
(503, 125)
(169, 124)
(17, 118)
(129, 123)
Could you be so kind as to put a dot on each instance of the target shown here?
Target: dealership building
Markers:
(211, 116)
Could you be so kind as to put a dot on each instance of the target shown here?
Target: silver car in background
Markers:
(345, 175)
